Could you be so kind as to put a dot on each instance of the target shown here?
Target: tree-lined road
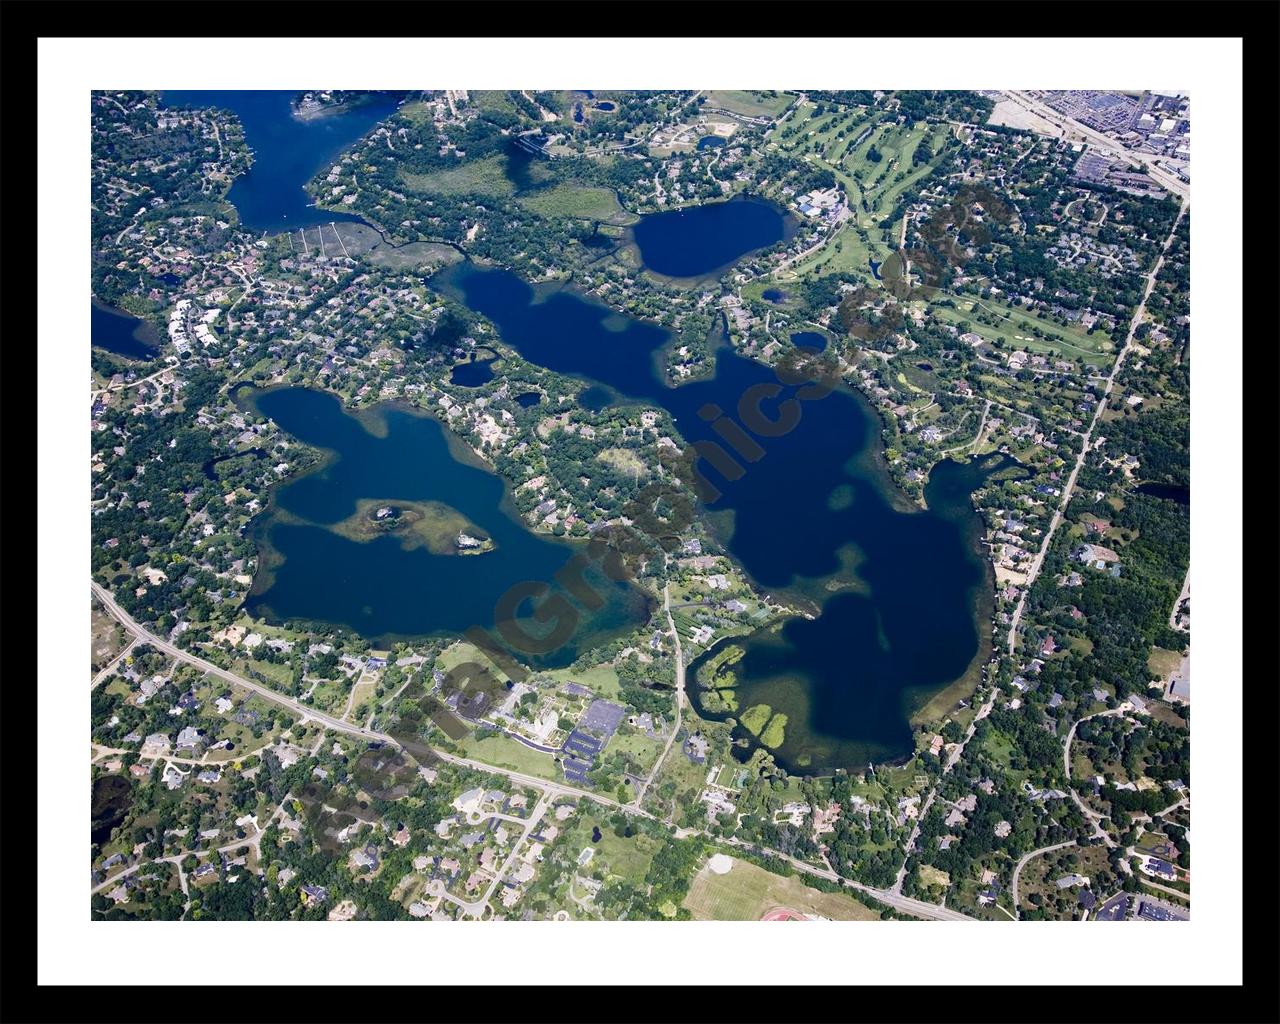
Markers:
(1138, 314)
(1017, 870)
(550, 790)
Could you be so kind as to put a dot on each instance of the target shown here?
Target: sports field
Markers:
(748, 893)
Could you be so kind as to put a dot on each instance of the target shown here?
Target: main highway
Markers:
(1067, 124)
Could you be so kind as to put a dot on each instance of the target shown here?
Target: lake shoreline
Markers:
(380, 571)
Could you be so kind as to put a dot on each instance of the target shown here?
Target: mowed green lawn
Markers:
(880, 184)
(504, 752)
(626, 857)
(1069, 342)
(603, 679)
(747, 892)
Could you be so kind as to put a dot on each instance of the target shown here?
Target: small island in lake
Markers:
(442, 530)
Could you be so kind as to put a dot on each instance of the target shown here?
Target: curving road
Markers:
(550, 790)
(328, 721)
(1093, 817)
(1022, 863)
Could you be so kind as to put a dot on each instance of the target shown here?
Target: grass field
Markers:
(504, 752)
(414, 255)
(485, 177)
(418, 112)
(616, 855)
(603, 679)
(639, 746)
(280, 676)
(460, 653)
(1167, 713)
(749, 104)
(996, 321)
(582, 202)
(841, 142)
(494, 101)
(999, 746)
(107, 639)
(747, 892)
(1162, 662)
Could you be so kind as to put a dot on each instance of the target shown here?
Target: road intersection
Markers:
(550, 790)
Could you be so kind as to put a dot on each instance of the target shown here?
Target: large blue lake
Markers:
(122, 333)
(700, 241)
(899, 597)
(899, 594)
(376, 586)
(287, 151)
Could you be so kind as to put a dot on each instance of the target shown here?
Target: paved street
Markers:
(550, 790)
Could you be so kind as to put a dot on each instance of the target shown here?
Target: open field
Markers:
(625, 461)
(996, 321)
(1162, 663)
(748, 892)
(625, 857)
(414, 255)
(107, 639)
(485, 177)
(361, 241)
(419, 112)
(504, 752)
(749, 104)
(584, 202)
(603, 679)
(639, 746)
(495, 101)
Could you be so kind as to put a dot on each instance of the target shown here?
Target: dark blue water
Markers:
(121, 333)
(875, 268)
(816, 500)
(774, 295)
(109, 801)
(473, 373)
(1170, 492)
(287, 152)
(528, 399)
(595, 398)
(604, 105)
(809, 339)
(377, 587)
(703, 239)
(710, 142)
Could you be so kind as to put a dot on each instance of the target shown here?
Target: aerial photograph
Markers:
(668, 505)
